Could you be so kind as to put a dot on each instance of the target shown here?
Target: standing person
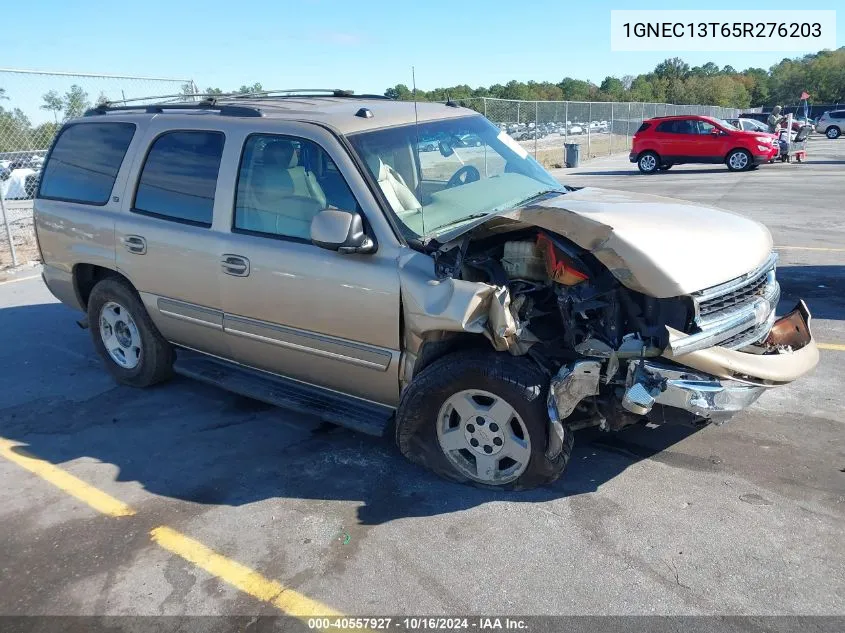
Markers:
(774, 119)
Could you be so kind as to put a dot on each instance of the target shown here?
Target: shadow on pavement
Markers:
(822, 287)
(187, 441)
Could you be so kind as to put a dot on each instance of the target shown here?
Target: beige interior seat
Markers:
(279, 194)
(398, 194)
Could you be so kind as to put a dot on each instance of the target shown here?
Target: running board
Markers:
(330, 406)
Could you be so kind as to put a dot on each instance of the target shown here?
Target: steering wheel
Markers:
(464, 175)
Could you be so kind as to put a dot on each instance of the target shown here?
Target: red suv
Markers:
(673, 140)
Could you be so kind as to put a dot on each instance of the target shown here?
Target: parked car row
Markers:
(526, 132)
(20, 175)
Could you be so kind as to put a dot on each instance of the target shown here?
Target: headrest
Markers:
(280, 152)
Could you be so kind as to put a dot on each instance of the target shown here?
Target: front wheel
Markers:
(480, 418)
(833, 132)
(125, 337)
(648, 162)
(738, 160)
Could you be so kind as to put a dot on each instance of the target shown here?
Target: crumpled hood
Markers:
(658, 246)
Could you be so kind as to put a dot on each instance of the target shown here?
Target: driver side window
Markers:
(705, 128)
(283, 182)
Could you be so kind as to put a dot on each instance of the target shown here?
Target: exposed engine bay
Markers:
(606, 348)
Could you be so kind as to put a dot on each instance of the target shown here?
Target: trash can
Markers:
(573, 154)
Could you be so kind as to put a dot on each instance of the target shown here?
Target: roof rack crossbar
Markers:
(157, 108)
(304, 92)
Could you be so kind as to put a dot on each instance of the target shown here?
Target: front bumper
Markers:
(797, 354)
(633, 157)
(706, 385)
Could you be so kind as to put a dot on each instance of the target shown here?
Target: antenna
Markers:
(417, 148)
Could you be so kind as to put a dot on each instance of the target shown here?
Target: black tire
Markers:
(515, 379)
(666, 166)
(156, 358)
(648, 162)
(730, 160)
(832, 132)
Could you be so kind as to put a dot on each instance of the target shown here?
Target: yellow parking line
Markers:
(808, 248)
(97, 499)
(833, 346)
(239, 576)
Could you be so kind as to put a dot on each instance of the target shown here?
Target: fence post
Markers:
(517, 113)
(566, 122)
(589, 120)
(611, 128)
(628, 128)
(536, 126)
(8, 230)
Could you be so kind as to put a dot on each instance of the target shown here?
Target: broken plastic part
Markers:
(559, 267)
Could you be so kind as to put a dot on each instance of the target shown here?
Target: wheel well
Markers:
(450, 342)
(734, 149)
(86, 276)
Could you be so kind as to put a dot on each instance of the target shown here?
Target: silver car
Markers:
(831, 124)
(301, 249)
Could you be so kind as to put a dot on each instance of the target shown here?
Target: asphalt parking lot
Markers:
(185, 499)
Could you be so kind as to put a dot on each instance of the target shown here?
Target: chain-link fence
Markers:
(601, 128)
(33, 106)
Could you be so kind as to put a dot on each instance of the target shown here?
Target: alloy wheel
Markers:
(483, 437)
(120, 335)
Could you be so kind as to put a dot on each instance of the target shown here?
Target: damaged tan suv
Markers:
(306, 249)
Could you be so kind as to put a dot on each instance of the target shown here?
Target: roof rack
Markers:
(157, 108)
(305, 92)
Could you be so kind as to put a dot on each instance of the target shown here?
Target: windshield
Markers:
(440, 173)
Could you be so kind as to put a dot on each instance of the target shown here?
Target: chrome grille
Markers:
(733, 298)
(734, 314)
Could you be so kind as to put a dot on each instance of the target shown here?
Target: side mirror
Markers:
(341, 231)
(715, 131)
(445, 149)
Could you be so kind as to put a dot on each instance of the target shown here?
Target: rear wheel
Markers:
(738, 160)
(833, 132)
(125, 337)
(648, 162)
(480, 418)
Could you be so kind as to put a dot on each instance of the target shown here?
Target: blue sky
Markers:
(363, 45)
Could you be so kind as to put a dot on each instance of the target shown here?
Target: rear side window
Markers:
(839, 114)
(180, 175)
(84, 162)
(643, 127)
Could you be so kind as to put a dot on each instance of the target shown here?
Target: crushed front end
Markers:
(615, 355)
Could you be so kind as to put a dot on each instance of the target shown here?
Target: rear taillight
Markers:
(559, 265)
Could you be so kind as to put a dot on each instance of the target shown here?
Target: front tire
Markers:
(833, 132)
(648, 162)
(739, 160)
(131, 347)
(480, 418)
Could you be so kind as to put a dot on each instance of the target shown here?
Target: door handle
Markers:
(135, 244)
(235, 265)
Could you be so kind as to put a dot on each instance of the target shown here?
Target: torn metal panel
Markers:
(454, 305)
(656, 246)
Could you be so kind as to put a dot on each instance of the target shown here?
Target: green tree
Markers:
(245, 90)
(213, 91)
(613, 88)
(75, 102)
(54, 103)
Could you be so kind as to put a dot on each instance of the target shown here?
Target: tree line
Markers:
(674, 81)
